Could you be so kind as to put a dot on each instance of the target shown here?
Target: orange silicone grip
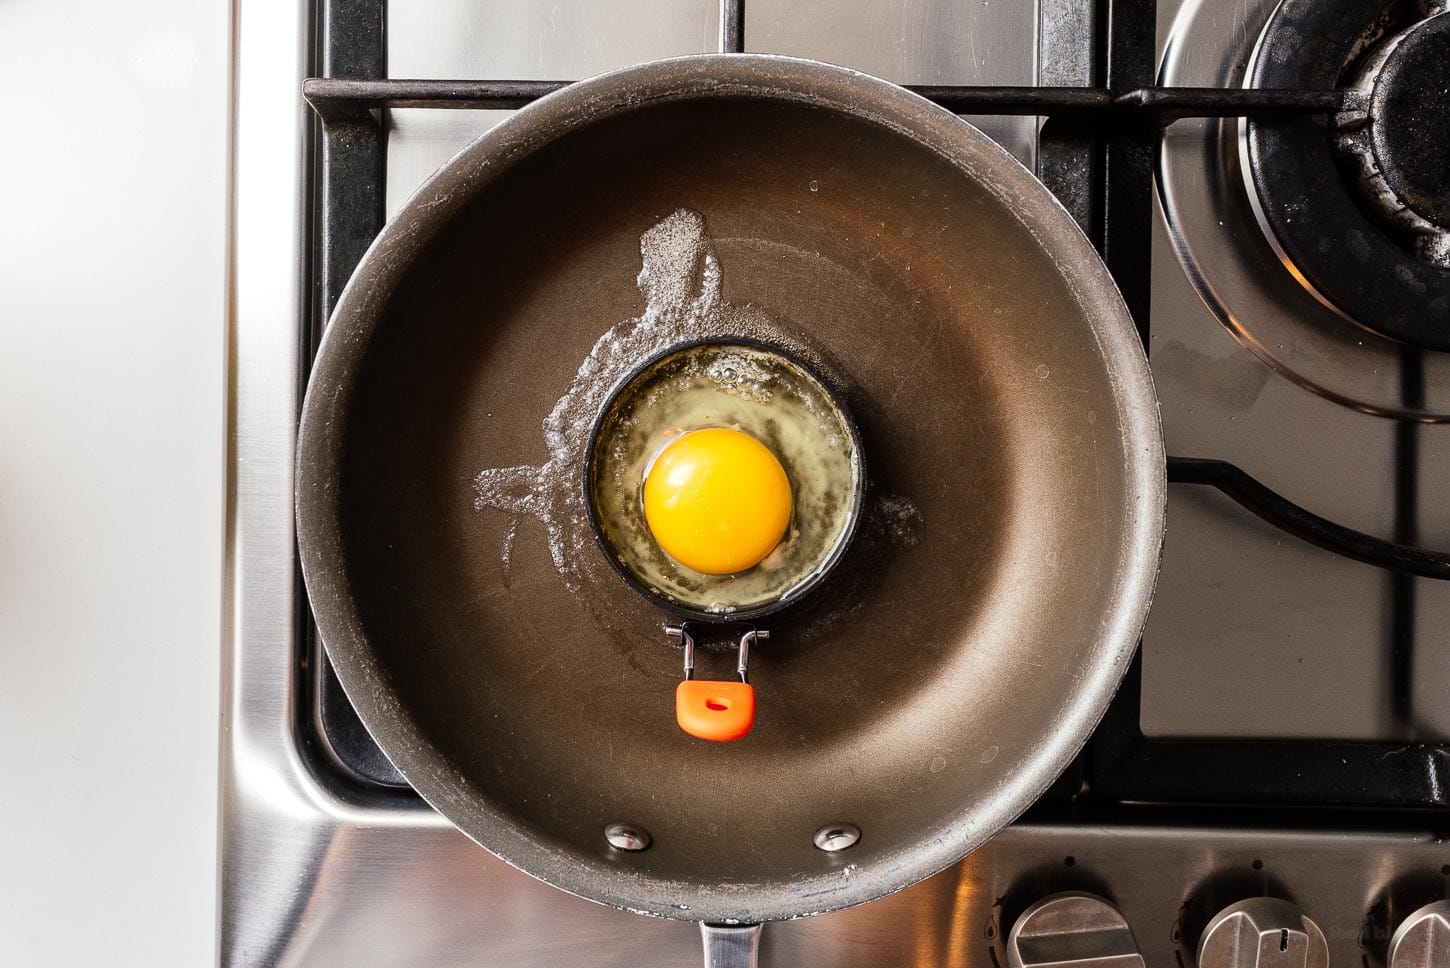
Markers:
(715, 710)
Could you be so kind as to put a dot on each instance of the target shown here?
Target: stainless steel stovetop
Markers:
(1255, 637)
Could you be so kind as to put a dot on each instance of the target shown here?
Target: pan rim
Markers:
(321, 441)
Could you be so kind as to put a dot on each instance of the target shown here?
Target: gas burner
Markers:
(1395, 127)
(1379, 254)
(1263, 298)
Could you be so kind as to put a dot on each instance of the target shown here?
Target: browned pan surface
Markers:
(973, 634)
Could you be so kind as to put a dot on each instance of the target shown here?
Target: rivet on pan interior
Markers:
(626, 836)
(837, 836)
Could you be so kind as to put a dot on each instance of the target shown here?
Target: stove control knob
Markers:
(1072, 929)
(1262, 932)
(1423, 939)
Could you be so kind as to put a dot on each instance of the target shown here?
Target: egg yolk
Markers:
(717, 501)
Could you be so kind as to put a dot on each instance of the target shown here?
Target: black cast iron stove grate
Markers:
(1097, 149)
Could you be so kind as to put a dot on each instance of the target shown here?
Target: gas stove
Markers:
(1270, 203)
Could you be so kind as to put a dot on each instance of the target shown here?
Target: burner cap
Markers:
(1395, 130)
(1410, 120)
(1370, 252)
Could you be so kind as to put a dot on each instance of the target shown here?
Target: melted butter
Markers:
(680, 279)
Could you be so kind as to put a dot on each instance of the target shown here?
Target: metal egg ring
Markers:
(809, 573)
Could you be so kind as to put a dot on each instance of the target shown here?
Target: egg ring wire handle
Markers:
(717, 710)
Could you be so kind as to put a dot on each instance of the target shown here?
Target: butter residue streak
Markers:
(680, 280)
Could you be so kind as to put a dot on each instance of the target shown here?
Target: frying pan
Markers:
(962, 649)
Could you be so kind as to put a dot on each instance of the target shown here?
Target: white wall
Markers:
(112, 207)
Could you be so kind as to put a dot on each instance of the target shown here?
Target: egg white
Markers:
(761, 393)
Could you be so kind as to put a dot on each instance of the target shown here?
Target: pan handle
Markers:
(731, 945)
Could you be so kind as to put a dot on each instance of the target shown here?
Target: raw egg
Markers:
(723, 477)
(717, 500)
